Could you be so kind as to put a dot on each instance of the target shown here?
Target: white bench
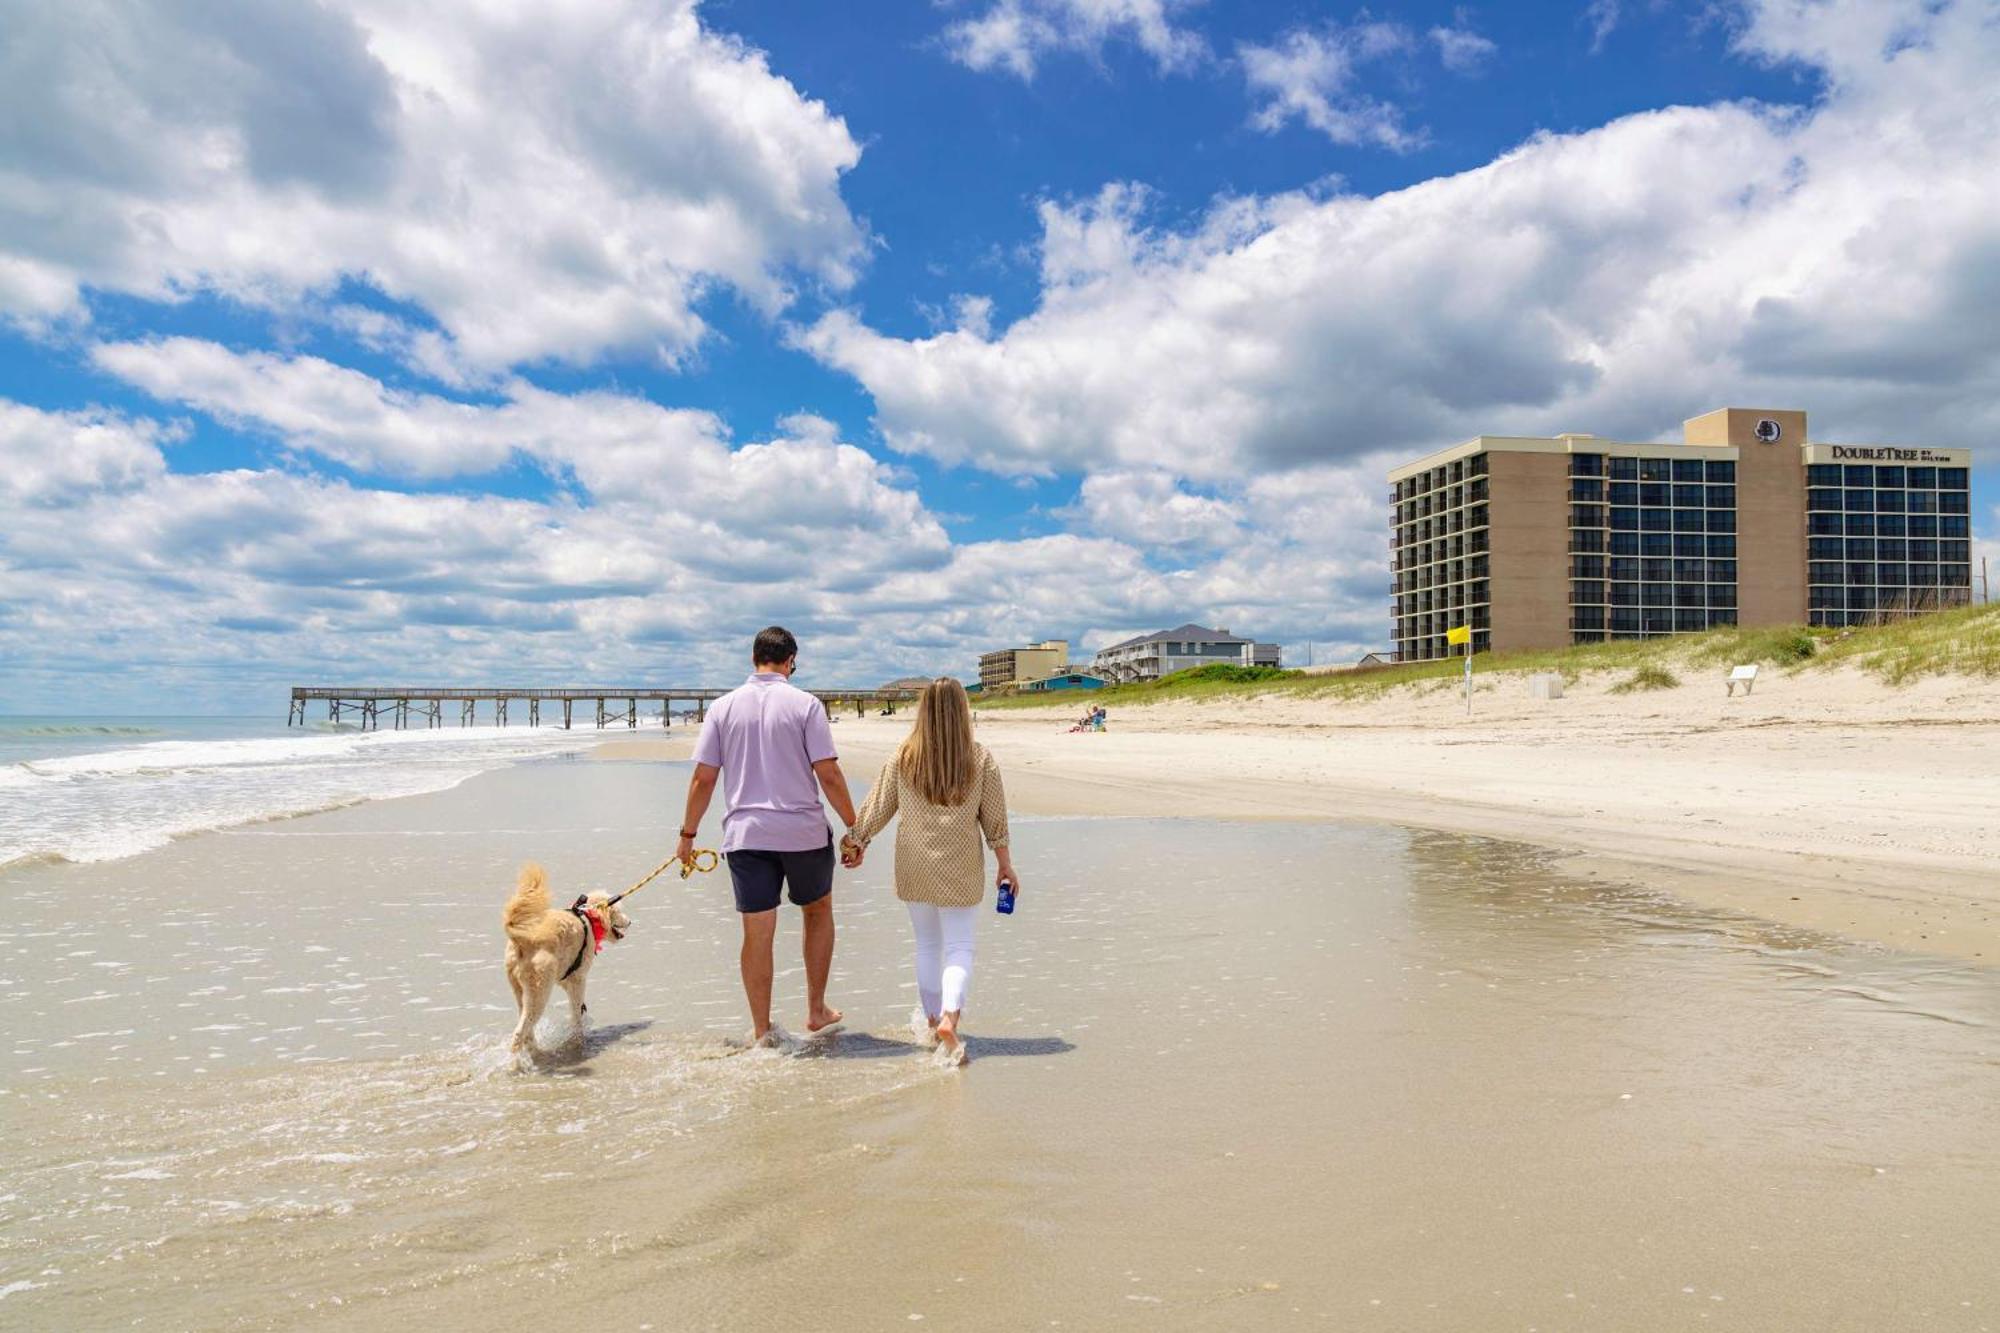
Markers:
(1746, 676)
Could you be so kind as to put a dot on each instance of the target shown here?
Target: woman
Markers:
(947, 788)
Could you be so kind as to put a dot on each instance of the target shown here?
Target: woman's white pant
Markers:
(944, 955)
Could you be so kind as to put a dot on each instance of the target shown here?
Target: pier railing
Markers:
(403, 706)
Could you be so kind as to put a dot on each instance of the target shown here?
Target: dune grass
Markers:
(1965, 642)
(1962, 642)
(1651, 676)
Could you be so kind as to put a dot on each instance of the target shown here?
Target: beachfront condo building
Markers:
(1150, 656)
(1539, 543)
(1005, 668)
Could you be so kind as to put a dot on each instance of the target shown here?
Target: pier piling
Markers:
(620, 704)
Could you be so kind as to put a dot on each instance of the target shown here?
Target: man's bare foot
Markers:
(824, 1019)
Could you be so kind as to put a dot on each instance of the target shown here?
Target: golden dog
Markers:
(547, 948)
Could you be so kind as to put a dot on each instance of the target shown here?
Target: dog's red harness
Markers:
(593, 935)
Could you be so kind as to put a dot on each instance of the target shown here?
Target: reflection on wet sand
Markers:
(1223, 1075)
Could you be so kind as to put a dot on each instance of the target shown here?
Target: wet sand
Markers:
(1225, 1074)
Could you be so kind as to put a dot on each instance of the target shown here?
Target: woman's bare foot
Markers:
(947, 1035)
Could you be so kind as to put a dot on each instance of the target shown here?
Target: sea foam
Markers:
(103, 804)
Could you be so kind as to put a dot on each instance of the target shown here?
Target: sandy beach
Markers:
(1827, 799)
(1228, 1071)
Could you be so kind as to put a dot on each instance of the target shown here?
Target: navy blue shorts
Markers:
(760, 877)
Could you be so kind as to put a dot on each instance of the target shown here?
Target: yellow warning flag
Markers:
(1458, 634)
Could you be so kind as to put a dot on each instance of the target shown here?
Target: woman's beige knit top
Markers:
(938, 858)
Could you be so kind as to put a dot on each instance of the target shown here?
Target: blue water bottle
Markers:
(1004, 902)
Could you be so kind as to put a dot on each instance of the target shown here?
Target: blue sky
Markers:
(575, 342)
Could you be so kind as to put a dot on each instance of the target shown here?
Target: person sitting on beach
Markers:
(771, 745)
(948, 790)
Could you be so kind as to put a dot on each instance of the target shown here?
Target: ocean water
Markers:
(100, 788)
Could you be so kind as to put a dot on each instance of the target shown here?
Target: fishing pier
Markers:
(401, 707)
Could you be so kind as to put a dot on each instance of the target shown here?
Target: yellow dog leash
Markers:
(703, 860)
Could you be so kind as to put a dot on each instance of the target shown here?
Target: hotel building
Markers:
(1540, 543)
(1006, 667)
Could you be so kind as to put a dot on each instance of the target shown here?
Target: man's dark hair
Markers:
(773, 646)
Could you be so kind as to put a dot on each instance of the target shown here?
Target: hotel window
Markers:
(1586, 465)
(1823, 474)
(1722, 471)
(1656, 469)
(1622, 469)
(1722, 548)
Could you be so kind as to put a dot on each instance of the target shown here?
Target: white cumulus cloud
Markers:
(1843, 258)
(1309, 75)
(1014, 35)
(556, 181)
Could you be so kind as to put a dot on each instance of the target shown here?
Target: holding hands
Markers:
(851, 852)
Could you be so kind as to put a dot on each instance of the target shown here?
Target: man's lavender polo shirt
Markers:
(765, 735)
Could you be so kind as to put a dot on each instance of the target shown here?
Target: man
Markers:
(773, 750)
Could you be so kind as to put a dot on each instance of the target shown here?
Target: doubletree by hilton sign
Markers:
(1858, 454)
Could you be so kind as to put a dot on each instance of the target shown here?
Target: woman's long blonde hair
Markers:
(938, 757)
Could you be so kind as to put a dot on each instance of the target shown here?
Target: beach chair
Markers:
(1746, 676)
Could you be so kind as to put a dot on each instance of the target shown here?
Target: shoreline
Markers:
(1825, 801)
